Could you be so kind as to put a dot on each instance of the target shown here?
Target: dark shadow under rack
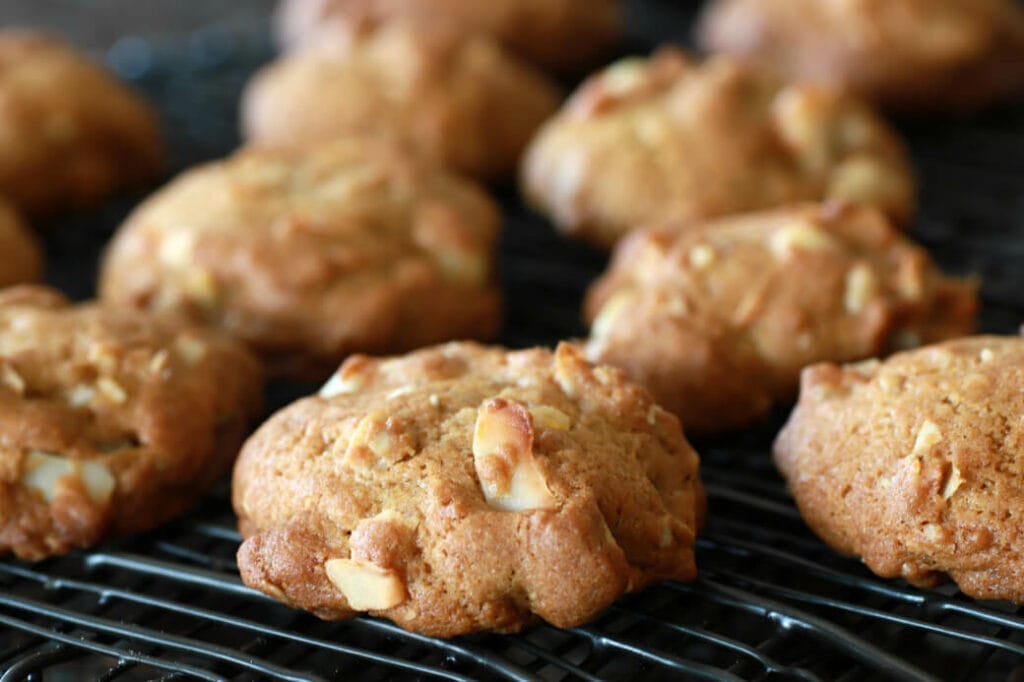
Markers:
(772, 601)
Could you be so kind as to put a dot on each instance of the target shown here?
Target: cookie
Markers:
(565, 36)
(309, 256)
(459, 100)
(20, 257)
(920, 56)
(666, 139)
(465, 488)
(70, 134)
(914, 464)
(718, 320)
(110, 421)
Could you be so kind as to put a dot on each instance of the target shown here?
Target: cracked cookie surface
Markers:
(671, 139)
(914, 464)
(718, 320)
(308, 256)
(464, 488)
(110, 421)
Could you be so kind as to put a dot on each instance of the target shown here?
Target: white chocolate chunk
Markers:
(112, 390)
(10, 378)
(43, 471)
(191, 350)
(339, 385)
(80, 396)
(366, 587)
(610, 313)
(550, 417)
(701, 256)
(503, 455)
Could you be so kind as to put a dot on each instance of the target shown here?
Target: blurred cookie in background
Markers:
(309, 256)
(668, 139)
(718, 320)
(922, 56)
(70, 133)
(564, 36)
(460, 100)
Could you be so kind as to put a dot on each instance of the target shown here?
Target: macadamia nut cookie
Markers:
(309, 256)
(718, 320)
(565, 36)
(110, 421)
(911, 55)
(20, 257)
(70, 134)
(914, 464)
(665, 139)
(465, 488)
(456, 99)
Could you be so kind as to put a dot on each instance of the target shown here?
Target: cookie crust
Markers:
(465, 488)
(110, 422)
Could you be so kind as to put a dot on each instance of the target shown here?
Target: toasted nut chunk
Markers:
(366, 587)
(43, 471)
(927, 436)
(191, 350)
(377, 442)
(550, 417)
(111, 389)
(610, 313)
(799, 236)
(503, 455)
(701, 256)
(10, 378)
(953, 483)
(339, 385)
(861, 287)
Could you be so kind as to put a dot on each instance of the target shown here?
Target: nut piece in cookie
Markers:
(493, 488)
(358, 245)
(459, 100)
(72, 134)
(110, 421)
(667, 139)
(20, 256)
(565, 36)
(919, 56)
(718, 320)
(914, 463)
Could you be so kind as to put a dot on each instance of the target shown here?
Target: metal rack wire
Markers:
(772, 601)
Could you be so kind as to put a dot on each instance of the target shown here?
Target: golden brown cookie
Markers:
(914, 464)
(464, 488)
(667, 139)
(70, 134)
(309, 256)
(20, 257)
(913, 55)
(110, 421)
(459, 100)
(718, 320)
(565, 36)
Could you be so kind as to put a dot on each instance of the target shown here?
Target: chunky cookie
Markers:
(562, 35)
(70, 134)
(20, 258)
(110, 421)
(465, 488)
(916, 55)
(309, 256)
(914, 463)
(718, 320)
(666, 139)
(459, 100)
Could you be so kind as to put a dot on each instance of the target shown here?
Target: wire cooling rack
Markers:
(772, 602)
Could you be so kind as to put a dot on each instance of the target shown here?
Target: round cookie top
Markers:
(464, 488)
(916, 55)
(70, 134)
(110, 421)
(666, 139)
(309, 256)
(21, 259)
(718, 320)
(456, 99)
(562, 35)
(914, 463)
